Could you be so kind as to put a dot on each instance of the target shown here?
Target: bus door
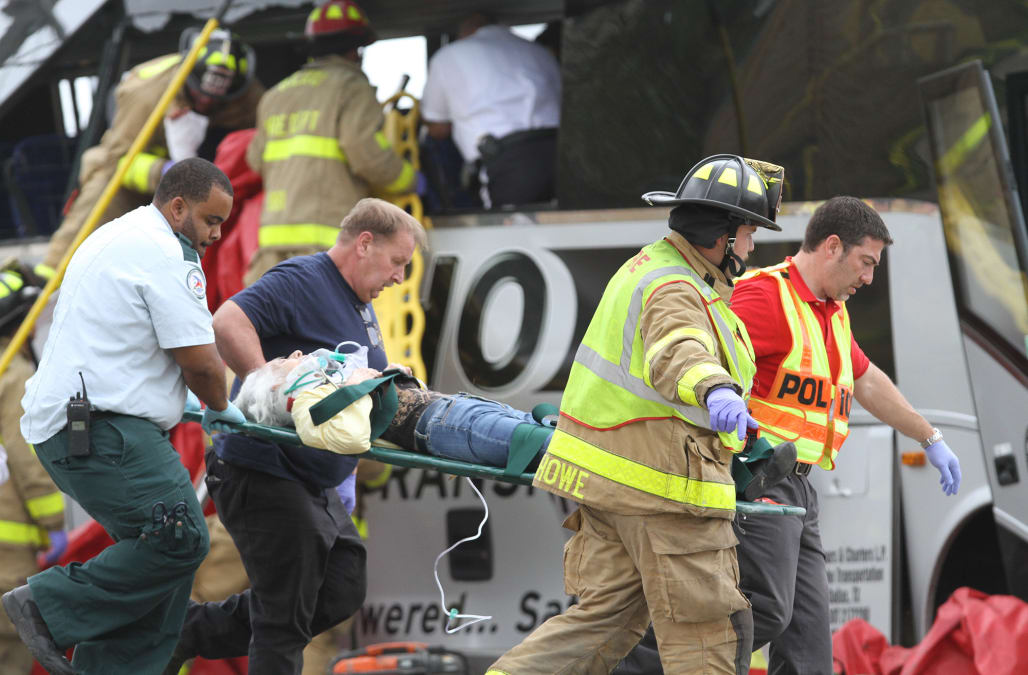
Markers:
(988, 249)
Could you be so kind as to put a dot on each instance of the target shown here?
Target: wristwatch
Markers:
(934, 438)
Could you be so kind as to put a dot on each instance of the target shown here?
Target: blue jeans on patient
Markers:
(471, 429)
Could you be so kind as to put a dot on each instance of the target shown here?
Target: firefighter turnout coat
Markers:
(319, 148)
(30, 504)
(633, 436)
(135, 99)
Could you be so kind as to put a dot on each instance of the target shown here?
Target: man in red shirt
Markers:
(809, 368)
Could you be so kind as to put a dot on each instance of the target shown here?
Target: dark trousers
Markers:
(523, 168)
(305, 562)
(782, 573)
(123, 609)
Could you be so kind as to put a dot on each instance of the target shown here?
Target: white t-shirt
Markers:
(491, 82)
(129, 295)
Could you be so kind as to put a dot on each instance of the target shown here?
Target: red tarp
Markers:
(973, 634)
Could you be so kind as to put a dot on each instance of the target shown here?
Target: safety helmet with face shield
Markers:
(718, 195)
(224, 68)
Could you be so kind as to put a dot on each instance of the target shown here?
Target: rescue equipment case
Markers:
(400, 658)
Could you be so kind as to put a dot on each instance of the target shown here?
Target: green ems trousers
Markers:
(123, 609)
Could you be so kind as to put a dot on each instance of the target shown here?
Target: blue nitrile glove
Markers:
(58, 545)
(728, 412)
(218, 420)
(192, 402)
(943, 459)
(421, 184)
(347, 491)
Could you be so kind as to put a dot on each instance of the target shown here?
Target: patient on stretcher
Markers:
(454, 426)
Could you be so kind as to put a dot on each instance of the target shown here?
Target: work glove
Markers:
(184, 132)
(219, 420)
(58, 545)
(192, 402)
(728, 412)
(943, 459)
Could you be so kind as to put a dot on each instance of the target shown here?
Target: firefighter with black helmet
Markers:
(652, 414)
(220, 95)
(319, 146)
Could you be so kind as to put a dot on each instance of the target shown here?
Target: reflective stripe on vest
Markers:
(22, 534)
(600, 462)
(626, 396)
(47, 505)
(404, 181)
(300, 234)
(803, 404)
(303, 145)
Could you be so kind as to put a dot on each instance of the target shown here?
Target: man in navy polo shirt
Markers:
(300, 549)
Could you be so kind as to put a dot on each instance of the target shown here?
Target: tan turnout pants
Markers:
(629, 570)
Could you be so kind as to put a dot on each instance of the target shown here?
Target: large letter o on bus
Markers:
(507, 267)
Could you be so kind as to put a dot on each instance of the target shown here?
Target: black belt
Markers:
(489, 146)
(802, 468)
(102, 414)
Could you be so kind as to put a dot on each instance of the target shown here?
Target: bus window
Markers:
(981, 214)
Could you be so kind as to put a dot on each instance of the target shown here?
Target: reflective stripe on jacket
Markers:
(319, 149)
(611, 387)
(804, 404)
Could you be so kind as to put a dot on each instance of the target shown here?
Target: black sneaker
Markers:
(32, 630)
(772, 470)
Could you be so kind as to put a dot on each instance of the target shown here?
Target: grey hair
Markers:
(262, 399)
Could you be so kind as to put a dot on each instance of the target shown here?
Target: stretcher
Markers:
(416, 460)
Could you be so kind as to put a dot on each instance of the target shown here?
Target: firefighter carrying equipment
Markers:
(224, 68)
(804, 404)
(610, 386)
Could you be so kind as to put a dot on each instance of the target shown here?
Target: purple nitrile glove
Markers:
(347, 491)
(728, 412)
(943, 459)
(421, 184)
(58, 545)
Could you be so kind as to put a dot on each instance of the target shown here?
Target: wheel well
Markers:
(972, 559)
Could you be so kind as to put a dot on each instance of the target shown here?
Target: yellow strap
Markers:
(300, 234)
(22, 533)
(304, 145)
(47, 505)
(404, 181)
(681, 489)
(138, 175)
(677, 335)
(692, 377)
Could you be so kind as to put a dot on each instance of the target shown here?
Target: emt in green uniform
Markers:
(131, 330)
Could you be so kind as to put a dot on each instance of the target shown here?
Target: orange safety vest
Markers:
(804, 404)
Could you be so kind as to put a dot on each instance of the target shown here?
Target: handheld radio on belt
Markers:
(78, 423)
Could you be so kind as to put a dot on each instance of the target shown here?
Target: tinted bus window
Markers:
(823, 88)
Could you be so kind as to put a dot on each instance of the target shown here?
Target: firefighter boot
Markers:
(776, 467)
(32, 630)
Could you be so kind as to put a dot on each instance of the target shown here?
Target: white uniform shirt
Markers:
(491, 82)
(128, 296)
